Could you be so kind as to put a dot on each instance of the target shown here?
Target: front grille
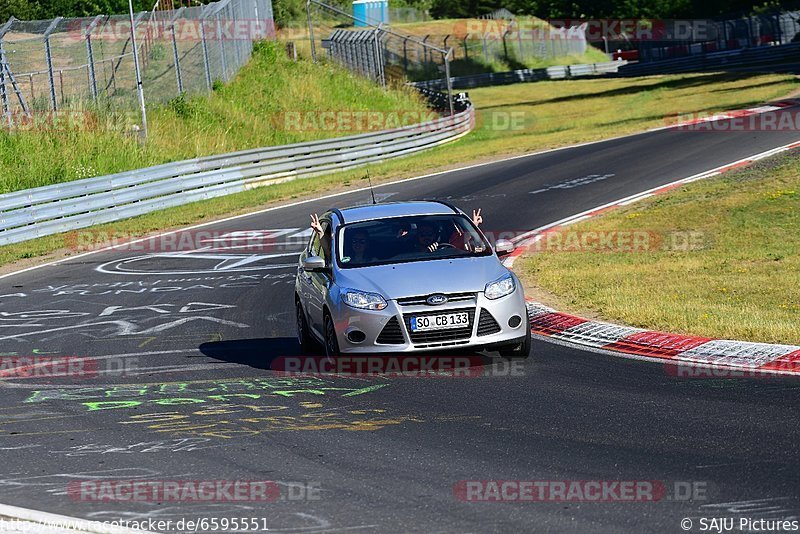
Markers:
(391, 334)
(487, 324)
(440, 336)
(420, 300)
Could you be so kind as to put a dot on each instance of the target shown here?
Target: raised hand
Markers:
(476, 217)
(315, 224)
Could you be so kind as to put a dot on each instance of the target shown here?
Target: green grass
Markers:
(246, 113)
(739, 282)
(546, 115)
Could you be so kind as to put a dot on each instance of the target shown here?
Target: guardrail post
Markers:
(175, 59)
(49, 59)
(311, 31)
(205, 48)
(405, 55)
(221, 49)
(448, 80)
(90, 56)
(234, 24)
(138, 70)
(379, 57)
(3, 86)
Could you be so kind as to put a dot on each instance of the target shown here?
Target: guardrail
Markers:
(783, 58)
(524, 75)
(63, 207)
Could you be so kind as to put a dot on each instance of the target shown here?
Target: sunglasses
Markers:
(359, 241)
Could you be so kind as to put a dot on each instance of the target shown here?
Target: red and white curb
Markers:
(732, 114)
(645, 344)
(757, 358)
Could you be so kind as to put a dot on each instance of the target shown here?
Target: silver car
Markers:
(407, 277)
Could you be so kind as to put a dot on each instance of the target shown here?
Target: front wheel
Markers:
(331, 341)
(520, 349)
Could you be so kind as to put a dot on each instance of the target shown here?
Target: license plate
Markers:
(440, 322)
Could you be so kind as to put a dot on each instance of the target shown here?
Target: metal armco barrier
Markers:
(63, 207)
(783, 58)
(524, 75)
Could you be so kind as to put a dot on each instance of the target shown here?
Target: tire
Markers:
(331, 341)
(303, 335)
(519, 350)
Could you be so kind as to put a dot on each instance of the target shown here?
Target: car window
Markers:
(406, 239)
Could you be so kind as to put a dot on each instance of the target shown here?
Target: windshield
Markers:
(407, 239)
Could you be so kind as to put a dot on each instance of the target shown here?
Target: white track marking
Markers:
(34, 518)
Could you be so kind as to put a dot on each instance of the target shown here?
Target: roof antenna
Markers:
(370, 187)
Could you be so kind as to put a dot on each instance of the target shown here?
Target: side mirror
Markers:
(314, 264)
(503, 247)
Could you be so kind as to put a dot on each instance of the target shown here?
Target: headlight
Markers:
(364, 300)
(499, 288)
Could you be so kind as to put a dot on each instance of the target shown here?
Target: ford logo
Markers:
(435, 300)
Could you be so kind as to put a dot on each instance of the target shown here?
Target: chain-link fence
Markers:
(376, 52)
(512, 42)
(471, 45)
(69, 63)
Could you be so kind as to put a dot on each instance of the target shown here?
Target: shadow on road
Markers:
(283, 354)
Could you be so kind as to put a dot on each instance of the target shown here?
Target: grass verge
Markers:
(736, 279)
(512, 119)
(249, 112)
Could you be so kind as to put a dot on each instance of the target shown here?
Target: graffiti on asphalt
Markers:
(227, 408)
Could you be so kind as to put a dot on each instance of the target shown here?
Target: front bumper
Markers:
(373, 323)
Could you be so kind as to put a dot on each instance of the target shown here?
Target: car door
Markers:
(317, 284)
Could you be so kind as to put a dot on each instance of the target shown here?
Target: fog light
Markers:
(356, 336)
(515, 321)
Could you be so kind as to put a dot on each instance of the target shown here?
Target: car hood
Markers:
(458, 275)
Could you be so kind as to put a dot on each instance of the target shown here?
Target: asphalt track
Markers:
(194, 335)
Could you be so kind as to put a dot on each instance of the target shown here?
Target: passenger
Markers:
(359, 247)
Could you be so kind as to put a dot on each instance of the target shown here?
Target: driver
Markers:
(427, 232)
(426, 237)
